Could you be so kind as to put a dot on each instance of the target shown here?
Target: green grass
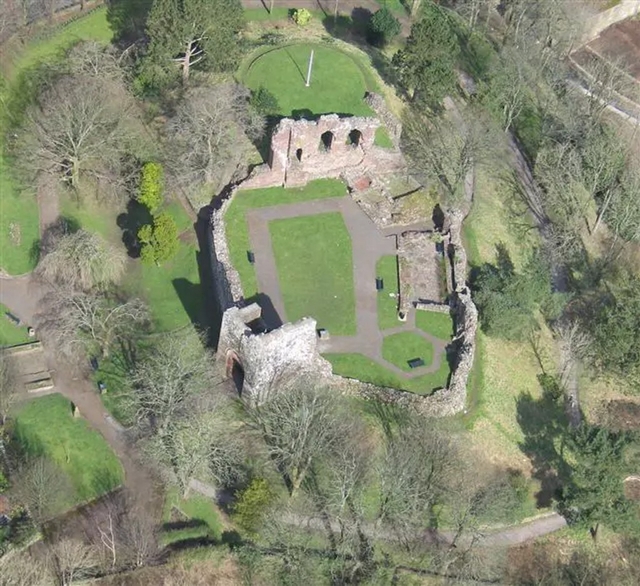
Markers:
(382, 138)
(236, 225)
(435, 323)
(200, 514)
(171, 290)
(90, 215)
(315, 270)
(387, 269)
(364, 369)
(11, 334)
(18, 207)
(338, 83)
(402, 347)
(46, 427)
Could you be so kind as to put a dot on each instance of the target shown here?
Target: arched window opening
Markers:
(299, 155)
(326, 140)
(355, 136)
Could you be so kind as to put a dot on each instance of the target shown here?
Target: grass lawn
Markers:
(400, 348)
(382, 138)
(198, 518)
(387, 270)
(236, 224)
(92, 216)
(19, 225)
(315, 270)
(11, 334)
(435, 323)
(46, 427)
(364, 369)
(338, 84)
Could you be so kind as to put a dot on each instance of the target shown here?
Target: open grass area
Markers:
(236, 224)
(400, 348)
(193, 518)
(382, 138)
(46, 427)
(435, 323)
(19, 225)
(338, 84)
(366, 370)
(387, 270)
(315, 270)
(10, 333)
(90, 215)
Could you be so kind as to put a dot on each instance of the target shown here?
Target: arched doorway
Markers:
(235, 371)
(326, 140)
(355, 136)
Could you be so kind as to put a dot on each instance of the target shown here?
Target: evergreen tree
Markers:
(159, 240)
(186, 33)
(151, 186)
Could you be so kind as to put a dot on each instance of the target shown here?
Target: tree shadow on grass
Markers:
(190, 295)
(130, 223)
(544, 423)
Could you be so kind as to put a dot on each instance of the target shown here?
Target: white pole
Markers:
(309, 70)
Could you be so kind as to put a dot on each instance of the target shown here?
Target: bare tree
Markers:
(82, 261)
(91, 320)
(9, 386)
(298, 425)
(24, 569)
(42, 486)
(169, 382)
(78, 127)
(71, 560)
(208, 136)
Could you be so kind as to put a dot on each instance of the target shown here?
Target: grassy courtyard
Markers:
(46, 427)
(398, 349)
(236, 228)
(387, 270)
(187, 519)
(315, 270)
(366, 370)
(338, 82)
(19, 225)
(435, 323)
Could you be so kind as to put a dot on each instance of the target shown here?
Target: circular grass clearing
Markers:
(337, 83)
(399, 348)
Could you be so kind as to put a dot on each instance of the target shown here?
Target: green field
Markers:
(193, 518)
(387, 270)
(435, 323)
(236, 228)
(46, 427)
(400, 348)
(315, 270)
(338, 83)
(19, 225)
(11, 334)
(366, 370)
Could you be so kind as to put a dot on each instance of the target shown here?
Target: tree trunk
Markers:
(271, 7)
(335, 11)
(186, 63)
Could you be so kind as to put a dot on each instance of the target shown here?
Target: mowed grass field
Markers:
(398, 349)
(315, 270)
(387, 270)
(46, 427)
(10, 333)
(19, 223)
(338, 84)
(236, 228)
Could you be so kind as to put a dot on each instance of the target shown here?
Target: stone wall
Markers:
(603, 20)
(331, 146)
(271, 361)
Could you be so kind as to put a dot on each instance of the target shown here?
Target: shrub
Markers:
(159, 240)
(301, 16)
(151, 186)
(383, 26)
(251, 504)
(264, 101)
(4, 483)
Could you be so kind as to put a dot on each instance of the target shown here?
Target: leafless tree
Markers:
(24, 569)
(208, 136)
(298, 425)
(90, 320)
(80, 126)
(95, 61)
(9, 385)
(82, 261)
(169, 382)
(42, 486)
(72, 560)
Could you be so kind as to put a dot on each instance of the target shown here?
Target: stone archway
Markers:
(235, 370)
(355, 136)
(326, 140)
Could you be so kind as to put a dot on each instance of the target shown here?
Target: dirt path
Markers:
(368, 246)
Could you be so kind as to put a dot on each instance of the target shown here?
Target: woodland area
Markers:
(132, 136)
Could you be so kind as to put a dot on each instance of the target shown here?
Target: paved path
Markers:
(368, 245)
